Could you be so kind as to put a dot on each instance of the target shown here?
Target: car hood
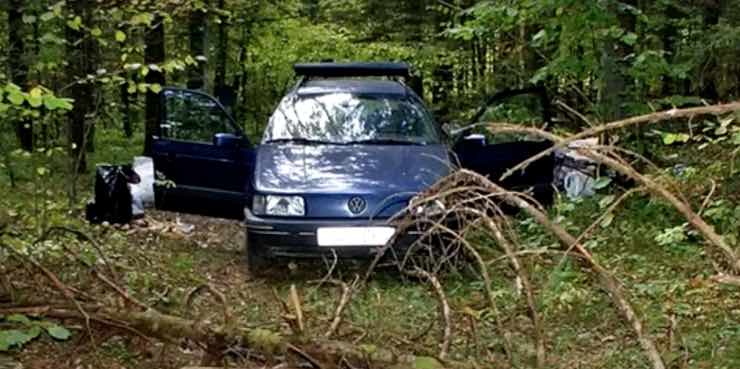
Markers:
(348, 169)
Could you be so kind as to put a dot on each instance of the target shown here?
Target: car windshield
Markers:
(344, 118)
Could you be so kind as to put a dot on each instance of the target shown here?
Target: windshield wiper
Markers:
(384, 141)
(301, 141)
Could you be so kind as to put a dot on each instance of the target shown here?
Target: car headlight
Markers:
(428, 208)
(278, 205)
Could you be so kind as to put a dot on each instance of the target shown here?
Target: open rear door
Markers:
(202, 159)
(493, 156)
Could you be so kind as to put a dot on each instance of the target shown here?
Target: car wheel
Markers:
(256, 259)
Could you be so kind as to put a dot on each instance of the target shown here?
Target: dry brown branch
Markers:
(127, 297)
(708, 198)
(84, 237)
(509, 249)
(444, 306)
(288, 316)
(726, 279)
(295, 301)
(216, 293)
(606, 213)
(647, 118)
(343, 301)
(654, 187)
(609, 282)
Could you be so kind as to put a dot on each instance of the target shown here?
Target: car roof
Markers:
(355, 86)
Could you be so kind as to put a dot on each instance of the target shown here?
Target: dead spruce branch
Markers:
(613, 161)
(464, 185)
(642, 119)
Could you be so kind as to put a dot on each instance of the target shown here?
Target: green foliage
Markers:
(27, 330)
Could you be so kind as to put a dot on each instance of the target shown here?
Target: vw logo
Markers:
(357, 205)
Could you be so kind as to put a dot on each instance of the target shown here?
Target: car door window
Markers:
(192, 116)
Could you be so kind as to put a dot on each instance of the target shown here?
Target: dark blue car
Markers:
(344, 150)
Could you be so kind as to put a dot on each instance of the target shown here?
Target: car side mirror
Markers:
(227, 140)
(475, 139)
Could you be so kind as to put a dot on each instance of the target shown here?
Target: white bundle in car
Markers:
(574, 173)
(142, 193)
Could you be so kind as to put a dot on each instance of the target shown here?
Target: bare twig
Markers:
(120, 290)
(216, 293)
(648, 118)
(693, 218)
(343, 301)
(295, 300)
(708, 198)
(444, 309)
(524, 277)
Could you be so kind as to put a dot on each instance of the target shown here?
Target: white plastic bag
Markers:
(142, 193)
(574, 173)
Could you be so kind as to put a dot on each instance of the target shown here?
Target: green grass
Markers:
(664, 274)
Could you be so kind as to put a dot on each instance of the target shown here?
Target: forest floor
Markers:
(668, 276)
(163, 260)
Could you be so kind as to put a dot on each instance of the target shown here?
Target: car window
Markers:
(191, 116)
(346, 118)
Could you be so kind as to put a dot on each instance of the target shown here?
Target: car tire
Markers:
(256, 259)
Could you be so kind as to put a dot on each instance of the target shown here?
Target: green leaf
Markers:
(47, 16)
(120, 36)
(96, 32)
(607, 220)
(75, 23)
(142, 18)
(630, 39)
(52, 102)
(16, 337)
(735, 137)
(34, 97)
(602, 182)
(18, 318)
(16, 97)
(155, 87)
(426, 362)
(606, 201)
(41, 171)
(29, 19)
(58, 332)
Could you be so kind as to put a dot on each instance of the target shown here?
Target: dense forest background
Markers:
(75, 71)
(642, 286)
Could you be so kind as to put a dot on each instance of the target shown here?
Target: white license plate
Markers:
(354, 236)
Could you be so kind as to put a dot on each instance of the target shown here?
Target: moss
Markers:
(264, 340)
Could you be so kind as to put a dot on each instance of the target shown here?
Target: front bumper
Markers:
(277, 237)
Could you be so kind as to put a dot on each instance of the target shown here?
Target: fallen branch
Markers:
(609, 282)
(509, 249)
(444, 347)
(726, 279)
(647, 118)
(343, 301)
(656, 189)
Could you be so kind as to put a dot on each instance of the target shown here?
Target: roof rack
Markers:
(352, 69)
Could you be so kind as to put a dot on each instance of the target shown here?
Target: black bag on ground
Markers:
(112, 202)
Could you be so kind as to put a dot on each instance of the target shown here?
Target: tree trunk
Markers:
(81, 57)
(153, 54)
(443, 78)
(271, 345)
(197, 29)
(711, 17)
(223, 44)
(18, 68)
